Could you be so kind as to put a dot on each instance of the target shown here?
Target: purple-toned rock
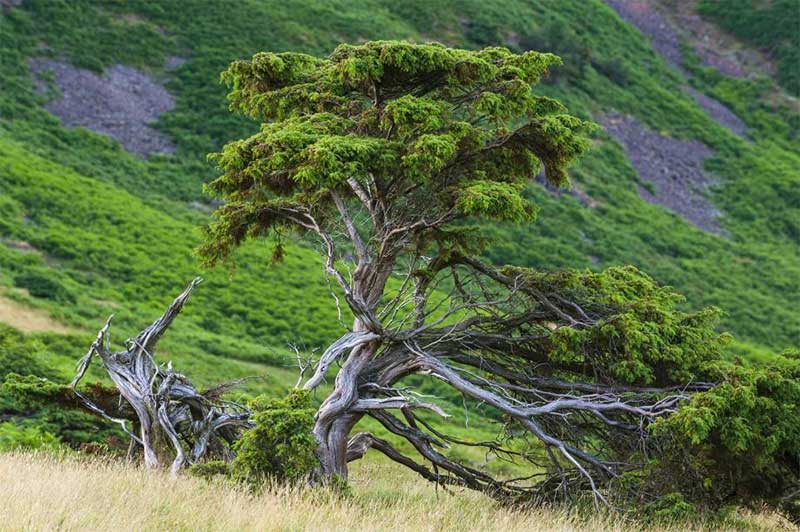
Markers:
(674, 167)
(122, 103)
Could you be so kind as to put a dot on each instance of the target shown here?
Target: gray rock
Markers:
(674, 167)
(652, 24)
(717, 111)
(122, 103)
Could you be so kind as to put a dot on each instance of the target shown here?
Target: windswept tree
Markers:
(385, 153)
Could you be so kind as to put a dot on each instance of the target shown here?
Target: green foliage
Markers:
(20, 355)
(758, 195)
(499, 201)
(642, 338)
(430, 120)
(43, 285)
(15, 437)
(672, 507)
(564, 41)
(281, 446)
(53, 409)
(99, 273)
(773, 26)
(738, 443)
(211, 469)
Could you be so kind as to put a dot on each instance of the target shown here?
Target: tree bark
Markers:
(334, 419)
(178, 424)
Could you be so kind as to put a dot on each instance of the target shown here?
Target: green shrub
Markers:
(18, 354)
(44, 286)
(15, 436)
(738, 443)
(672, 507)
(281, 446)
(210, 469)
(53, 408)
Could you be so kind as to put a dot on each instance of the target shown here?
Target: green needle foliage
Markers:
(737, 444)
(281, 446)
(433, 125)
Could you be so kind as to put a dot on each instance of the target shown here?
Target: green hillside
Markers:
(88, 229)
(772, 26)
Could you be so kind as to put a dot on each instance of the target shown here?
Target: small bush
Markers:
(210, 469)
(738, 443)
(281, 445)
(673, 507)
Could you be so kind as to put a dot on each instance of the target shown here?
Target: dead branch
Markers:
(177, 424)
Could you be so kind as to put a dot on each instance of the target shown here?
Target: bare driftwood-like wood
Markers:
(176, 424)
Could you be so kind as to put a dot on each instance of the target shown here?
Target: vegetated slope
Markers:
(97, 248)
(610, 68)
(773, 26)
(107, 231)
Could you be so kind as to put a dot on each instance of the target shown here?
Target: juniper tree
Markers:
(385, 153)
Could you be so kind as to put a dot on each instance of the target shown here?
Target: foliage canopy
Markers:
(444, 133)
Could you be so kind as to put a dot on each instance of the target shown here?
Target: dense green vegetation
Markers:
(740, 438)
(281, 446)
(609, 67)
(114, 233)
(773, 26)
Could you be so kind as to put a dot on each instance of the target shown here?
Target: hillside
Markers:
(774, 27)
(694, 178)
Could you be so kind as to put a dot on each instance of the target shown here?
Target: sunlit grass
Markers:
(43, 492)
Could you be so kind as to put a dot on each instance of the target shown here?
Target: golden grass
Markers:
(40, 492)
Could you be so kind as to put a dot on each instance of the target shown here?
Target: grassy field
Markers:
(71, 494)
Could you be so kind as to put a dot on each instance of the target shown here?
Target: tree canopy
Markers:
(440, 134)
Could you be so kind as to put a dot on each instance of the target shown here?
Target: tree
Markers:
(386, 153)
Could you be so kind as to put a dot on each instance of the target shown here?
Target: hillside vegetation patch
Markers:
(28, 319)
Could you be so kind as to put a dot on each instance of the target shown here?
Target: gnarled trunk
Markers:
(335, 418)
(178, 424)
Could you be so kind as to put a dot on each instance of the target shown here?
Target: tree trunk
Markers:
(334, 419)
(332, 453)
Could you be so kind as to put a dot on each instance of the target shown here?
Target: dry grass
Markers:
(45, 493)
(28, 319)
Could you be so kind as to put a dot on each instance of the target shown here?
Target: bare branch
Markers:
(171, 413)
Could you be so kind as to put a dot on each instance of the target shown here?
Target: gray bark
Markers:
(178, 425)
